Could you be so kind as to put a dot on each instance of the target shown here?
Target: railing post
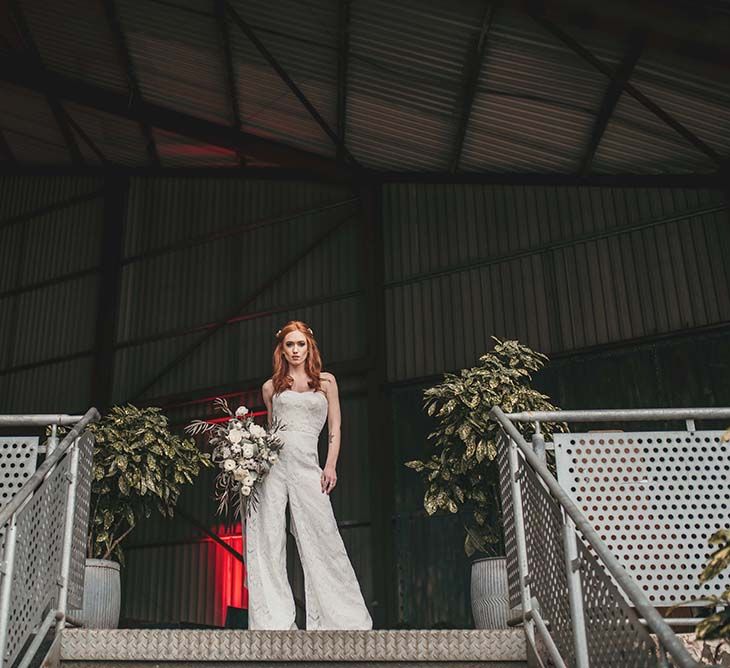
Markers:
(7, 566)
(520, 542)
(575, 592)
(538, 443)
(68, 535)
(52, 441)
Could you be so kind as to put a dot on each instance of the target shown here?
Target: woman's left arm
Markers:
(329, 473)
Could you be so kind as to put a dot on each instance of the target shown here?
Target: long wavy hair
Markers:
(312, 365)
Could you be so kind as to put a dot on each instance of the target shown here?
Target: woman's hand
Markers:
(328, 479)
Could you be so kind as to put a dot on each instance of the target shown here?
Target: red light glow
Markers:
(230, 574)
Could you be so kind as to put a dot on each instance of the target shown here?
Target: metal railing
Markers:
(45, 527)
(563, 572)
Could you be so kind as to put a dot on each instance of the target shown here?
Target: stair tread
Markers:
(194, 645)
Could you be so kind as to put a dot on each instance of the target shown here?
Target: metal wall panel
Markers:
(405, 80)
(692, 93)
(63, 387)
(536, 99)
(51, 246)
(24, 194)
(119, 140)
(74, 38)
(177, 58)
(30, 128)
(558, 268)
(302, 36)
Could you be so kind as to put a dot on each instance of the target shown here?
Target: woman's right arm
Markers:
(267, 391)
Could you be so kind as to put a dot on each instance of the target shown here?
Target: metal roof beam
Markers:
(472, 68)
(654, 108)
(248, 31)
(20, 72)
(58, 112)
(343, 57)
(224, 33)
(122, 48)
(637, 40)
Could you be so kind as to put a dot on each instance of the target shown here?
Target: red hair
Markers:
(312, 365)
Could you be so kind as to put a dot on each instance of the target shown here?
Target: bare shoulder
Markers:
(329, 382)
(267, 389)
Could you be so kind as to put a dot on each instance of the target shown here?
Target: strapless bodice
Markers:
(300, 411)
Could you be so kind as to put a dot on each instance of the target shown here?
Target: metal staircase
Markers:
(579, 603)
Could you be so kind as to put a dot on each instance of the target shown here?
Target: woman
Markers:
(302, 398)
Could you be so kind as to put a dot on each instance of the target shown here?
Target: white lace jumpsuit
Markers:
(333, 596)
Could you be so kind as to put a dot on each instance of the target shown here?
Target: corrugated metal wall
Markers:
(563, 269)
(558, 268)
(48, 291)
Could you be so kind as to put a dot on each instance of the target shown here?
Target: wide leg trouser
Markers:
(333, 596)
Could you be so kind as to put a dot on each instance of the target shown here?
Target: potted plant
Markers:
(461, 474)
(139, 467)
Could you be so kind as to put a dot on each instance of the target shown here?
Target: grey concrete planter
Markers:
(102, 595)
(489, 597)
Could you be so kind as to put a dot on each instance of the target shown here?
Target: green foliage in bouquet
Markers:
(717, 625)
(461, 475)
(139, 466)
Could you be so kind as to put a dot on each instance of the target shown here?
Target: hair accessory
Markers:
(309, 329)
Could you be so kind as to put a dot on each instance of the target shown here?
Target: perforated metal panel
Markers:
(18, 462)
(545, 559)
(513, 575)
(654, 498)
(85, 445)
(39, 545)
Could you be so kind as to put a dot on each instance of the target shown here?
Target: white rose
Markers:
(247, 450)
(248, 480)
(240, 474)
(229, 465)
(245, 490)
(235, 435)
(241, 411)
(257, 431)
(225, 452)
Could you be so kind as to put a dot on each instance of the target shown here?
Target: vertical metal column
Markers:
(7, 566)
(116, 191)
(575, 592)
(520, 542)
(382, 486)
(72, 477)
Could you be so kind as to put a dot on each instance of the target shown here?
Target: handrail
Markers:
(627, 415)
(38, 420)
(653, 619)
(36, 480)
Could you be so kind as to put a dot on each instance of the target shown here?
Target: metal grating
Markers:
(85, 444)
(545, 559)
(39, 545)
(614, 633)
(18, 461)
(655, 498)
(508, 522)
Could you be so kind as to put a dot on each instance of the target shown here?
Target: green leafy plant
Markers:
(461, 475)
(717, 625)
(139, 466)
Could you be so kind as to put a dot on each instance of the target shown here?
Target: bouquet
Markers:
(244, 453)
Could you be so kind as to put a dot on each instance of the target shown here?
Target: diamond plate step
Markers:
(279, 649)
